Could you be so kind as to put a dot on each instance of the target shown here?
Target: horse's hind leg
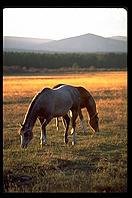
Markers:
(64, 123)
(43, 132)
(57, 123)
(73, 120)
(82, 121)
(67, 119)
(41, 119)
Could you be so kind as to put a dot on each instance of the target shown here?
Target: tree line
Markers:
(65, 60)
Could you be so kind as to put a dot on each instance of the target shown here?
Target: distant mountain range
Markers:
(22, 44)
(84, 43)
(121, 38)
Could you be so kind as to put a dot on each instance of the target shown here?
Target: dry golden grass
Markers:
(98, 163)
(29, 85)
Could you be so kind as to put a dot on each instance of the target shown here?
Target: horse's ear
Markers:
(96, 115)
(20, 124)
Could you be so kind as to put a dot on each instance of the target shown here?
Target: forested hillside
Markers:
(66, 60)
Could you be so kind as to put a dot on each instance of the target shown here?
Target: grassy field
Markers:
(97, 163)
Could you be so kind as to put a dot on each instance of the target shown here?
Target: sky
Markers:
(61, 23)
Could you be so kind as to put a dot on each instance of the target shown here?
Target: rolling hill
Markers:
(84, 43)
(22, 44)
(121, 38)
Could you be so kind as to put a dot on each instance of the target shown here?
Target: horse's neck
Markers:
(91, 107)
(30, 118)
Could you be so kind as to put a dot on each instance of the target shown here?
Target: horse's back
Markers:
(67, 92)
(58, 101)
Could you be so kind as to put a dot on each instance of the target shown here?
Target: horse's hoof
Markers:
(44, 142)
(74, 142)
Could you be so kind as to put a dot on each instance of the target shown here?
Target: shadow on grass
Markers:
(24, 179)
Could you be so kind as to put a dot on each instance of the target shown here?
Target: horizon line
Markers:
(64, 38)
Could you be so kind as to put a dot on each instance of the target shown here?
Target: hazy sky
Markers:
(59, 23)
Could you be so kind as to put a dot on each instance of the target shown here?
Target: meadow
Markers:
(97, 163)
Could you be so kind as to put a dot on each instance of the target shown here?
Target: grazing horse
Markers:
(88, 102)
(50, 103)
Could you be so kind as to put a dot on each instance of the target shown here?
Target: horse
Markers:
(88, 102)
(46, 105)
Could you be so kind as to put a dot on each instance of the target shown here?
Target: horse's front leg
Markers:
(73, 120)
(67, 119)
(43, 132)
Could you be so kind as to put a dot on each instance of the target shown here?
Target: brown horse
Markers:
(50, 103)
(88, 102)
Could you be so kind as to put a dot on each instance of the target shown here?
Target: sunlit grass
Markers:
(93, 81)
(98, 163)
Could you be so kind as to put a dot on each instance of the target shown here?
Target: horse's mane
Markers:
(30, 107)
(36, 97)
(32, 103)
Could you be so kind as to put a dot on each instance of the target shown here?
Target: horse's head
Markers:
(94, 122)
(26, 135)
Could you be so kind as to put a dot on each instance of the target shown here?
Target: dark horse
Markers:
(88, 102)
(50, 103)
